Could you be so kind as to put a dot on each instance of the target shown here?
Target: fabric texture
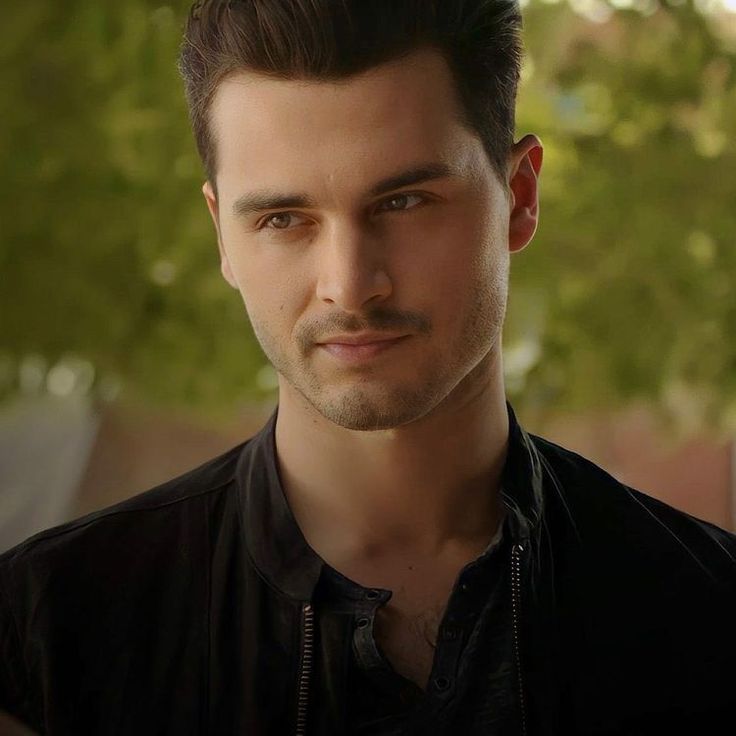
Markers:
(382, 701)
(194, 608)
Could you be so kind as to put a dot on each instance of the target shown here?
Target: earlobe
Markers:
(526, 164)
(212, 206)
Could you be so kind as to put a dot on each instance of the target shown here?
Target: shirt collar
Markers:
(277, 547)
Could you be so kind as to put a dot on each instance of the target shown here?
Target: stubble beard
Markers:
(364, 403)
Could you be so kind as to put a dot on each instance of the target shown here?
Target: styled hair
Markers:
(331, 40)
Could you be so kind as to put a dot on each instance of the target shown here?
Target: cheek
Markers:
(273, 294)
(454, 260)
(269, 309)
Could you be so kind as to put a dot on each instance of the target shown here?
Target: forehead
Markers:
(395, 114)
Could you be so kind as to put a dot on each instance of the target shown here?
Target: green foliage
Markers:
(632, 270)
(108, 258)
(107, 249)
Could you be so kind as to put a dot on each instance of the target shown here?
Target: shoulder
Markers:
(644, 594)
(66, 588)
(606, 514)
(146, 515)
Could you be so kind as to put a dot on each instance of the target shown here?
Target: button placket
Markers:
(366, 649)
(459, 615)
(447, 660)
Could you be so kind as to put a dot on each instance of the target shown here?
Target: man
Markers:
(392, 553)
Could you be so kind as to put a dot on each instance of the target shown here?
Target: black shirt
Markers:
(381, 701)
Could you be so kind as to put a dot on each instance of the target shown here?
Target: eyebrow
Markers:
(415, 175)
(269, 199)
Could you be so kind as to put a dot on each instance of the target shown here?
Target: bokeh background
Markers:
(125, 358)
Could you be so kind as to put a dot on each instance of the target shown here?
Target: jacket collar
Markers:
(280, 552)
(522, 483)
(273, 539)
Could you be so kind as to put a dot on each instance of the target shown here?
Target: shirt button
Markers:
(362, 622)
(373, 595)
(442, 683)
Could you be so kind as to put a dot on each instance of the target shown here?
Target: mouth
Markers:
(357, 348)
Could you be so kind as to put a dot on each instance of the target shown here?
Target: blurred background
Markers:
(125, 359)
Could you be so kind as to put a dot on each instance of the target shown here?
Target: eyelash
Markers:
(263, 224)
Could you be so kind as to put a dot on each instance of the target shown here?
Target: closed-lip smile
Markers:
(358, 348)
(360, 338)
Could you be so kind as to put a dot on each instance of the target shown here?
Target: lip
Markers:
(354, 349)
(361, 338)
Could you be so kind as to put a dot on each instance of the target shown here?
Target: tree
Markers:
(627, 292)
(109, 262)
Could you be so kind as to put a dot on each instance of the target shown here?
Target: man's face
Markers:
(325, 248)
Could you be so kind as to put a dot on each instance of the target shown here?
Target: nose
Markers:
(352, 271)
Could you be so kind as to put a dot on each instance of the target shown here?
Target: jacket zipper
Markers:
(305, 670)
(516, 613)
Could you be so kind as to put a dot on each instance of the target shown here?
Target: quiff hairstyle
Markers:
(331, 40)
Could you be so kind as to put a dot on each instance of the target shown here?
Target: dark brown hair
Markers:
(335, 39)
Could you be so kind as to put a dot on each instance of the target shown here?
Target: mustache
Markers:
(377, 320)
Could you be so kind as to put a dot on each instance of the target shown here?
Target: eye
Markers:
(400, 202)
(278, 221)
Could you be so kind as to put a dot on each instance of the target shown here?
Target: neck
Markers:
(428, 487)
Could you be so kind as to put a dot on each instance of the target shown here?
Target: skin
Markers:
(391, 465)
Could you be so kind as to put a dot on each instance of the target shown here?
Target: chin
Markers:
(370, 411)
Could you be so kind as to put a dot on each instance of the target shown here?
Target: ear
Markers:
(524, 166)
(212, 205)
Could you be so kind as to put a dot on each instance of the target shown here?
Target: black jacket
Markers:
(186, 610)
